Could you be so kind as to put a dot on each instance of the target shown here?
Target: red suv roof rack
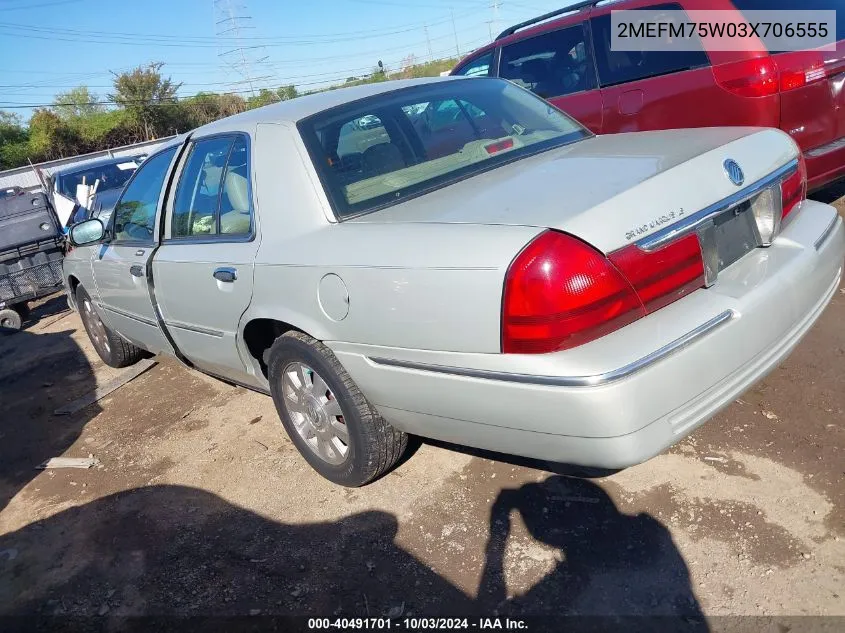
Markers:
(540, 18)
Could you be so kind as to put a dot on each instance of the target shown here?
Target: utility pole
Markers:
(230, 21)
(455, 31)
(428, 43)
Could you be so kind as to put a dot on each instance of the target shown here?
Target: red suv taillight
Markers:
(794, 187)
(799, 69)
(560, 292)
(748, 78)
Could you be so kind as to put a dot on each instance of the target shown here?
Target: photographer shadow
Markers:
(610, 563)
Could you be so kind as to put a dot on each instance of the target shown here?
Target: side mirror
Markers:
(88, 232)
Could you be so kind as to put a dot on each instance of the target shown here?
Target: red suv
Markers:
(565, 57)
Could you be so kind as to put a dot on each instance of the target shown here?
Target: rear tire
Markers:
(10, 320)
(331, 423)
(111, 347)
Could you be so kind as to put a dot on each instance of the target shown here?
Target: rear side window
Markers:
(550, 65)
(617, 67)
(479, 67)
(212, 197)
(195, 204)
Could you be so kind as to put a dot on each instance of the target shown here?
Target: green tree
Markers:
(50, 137)
(14, 141)
(206, 107)
(76, 102)
(263, 98)
(287, 92)
(149, 98)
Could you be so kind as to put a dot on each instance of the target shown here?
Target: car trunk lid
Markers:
(609, 191)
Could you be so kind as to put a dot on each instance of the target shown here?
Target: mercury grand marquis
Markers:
(457, 259)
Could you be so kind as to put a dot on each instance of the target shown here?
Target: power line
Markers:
(10, 106)
(36, 6)
(295, 79)
(333, 37)
(132, 39)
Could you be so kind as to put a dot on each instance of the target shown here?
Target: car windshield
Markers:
(381, 150)
(111, 176)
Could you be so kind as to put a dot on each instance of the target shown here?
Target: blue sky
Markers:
(49, 46)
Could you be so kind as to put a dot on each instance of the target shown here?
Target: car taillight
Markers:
(664, 275)
(794, 187)
(560, 293)
(801, 68)
(748, 78)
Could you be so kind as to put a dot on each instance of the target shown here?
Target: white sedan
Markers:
(472, 265)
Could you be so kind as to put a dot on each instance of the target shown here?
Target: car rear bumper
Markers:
(626, 397)
(825, 164)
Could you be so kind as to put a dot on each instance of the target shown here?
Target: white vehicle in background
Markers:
(74, 187)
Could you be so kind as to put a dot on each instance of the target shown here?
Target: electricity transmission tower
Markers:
(245, 61)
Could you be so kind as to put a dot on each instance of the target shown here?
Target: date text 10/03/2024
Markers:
(417, 624)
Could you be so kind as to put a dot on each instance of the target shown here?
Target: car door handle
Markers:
(227, 275)
(137, 270)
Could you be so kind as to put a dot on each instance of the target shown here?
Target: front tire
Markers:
(111, 347)
(328, 419)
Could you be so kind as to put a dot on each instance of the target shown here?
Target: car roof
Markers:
(294, 110)
(93, 164)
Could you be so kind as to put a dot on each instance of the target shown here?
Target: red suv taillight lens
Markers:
(748, 78)
(794, 187)
(561, 292)
(799, 69)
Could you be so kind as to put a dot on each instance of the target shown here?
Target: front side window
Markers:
(135, 213)
(617, 67)
(428, 136)
(479, 67)
(550, 65)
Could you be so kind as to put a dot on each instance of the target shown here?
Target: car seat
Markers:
(382, 159)
(234, 214)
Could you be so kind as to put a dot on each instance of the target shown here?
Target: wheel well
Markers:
(73, 284)
(260, 334)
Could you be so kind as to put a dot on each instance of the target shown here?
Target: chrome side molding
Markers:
(570, 381)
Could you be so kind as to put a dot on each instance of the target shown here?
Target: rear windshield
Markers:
(111, 176)
(382, 150)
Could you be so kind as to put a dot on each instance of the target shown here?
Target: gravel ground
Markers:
(201, 505)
